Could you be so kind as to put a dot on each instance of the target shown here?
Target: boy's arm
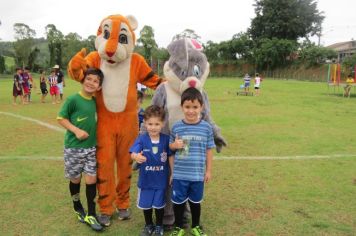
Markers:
(209, 162)
(80, 134)
(171, 165)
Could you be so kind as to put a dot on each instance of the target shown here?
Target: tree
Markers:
(2, 64)
(273, 53)
(71, 44)
(147, 41)
(285, 19)
(312, 55)
(24, 36)
(55, 39)
(32, 59)
(187, 33)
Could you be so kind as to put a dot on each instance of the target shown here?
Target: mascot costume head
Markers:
(187, 67)
(117, 125)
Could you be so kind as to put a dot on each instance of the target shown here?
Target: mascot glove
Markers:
(78, 65)
(219, 143)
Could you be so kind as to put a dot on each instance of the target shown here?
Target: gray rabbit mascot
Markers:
(186, 67)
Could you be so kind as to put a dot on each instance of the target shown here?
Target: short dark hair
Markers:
(27, 68)
(154, 111)
(94, 71)
(191, 94)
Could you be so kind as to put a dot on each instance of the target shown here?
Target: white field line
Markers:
(217, 158)
(49, 126)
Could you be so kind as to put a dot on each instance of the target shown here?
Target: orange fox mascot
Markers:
(117, 125)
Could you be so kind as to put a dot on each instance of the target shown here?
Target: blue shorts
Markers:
(151, 198)
(182, 190)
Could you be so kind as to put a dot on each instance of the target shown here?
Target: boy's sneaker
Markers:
(123, 214)
(93, 223)
(147, 230)
(178, 232)
(104, 220)
(80, 214)
(158, 231)
(197, 231)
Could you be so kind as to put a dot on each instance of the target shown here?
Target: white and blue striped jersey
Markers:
(190, 162)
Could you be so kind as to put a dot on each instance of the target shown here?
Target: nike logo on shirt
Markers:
(81, 119)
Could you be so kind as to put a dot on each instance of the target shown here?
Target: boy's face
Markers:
(91, 83)
(153, 125)
(191, 111)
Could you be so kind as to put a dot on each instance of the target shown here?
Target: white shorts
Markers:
(60, 87)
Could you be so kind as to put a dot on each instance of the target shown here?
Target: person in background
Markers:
(43, 86)
(247, 80)
(53, 89)
(17, 87)
(30, 82)
(60, 80)
(257, 84)
(348, 86)
(26, 85)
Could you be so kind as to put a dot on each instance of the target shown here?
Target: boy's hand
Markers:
(139, 158)
(178, 143)
(81, 134)
(207, 177)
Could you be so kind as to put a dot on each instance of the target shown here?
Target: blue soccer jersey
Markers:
(189, 162)
(154, 172)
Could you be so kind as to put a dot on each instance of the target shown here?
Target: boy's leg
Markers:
(148, 216)
(159, 216)
(91, 194)
(74, 188)
(195, 208)
(178, 214)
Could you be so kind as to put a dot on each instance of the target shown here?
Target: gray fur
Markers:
(183, 59)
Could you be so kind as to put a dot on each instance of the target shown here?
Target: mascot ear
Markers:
(179, 53)
(133, 22)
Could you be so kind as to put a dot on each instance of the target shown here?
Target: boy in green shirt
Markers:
(78, 116)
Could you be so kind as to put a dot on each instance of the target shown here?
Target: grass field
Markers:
(312, 194)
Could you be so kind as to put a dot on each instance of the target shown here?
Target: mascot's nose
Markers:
(110, 54)
(192, 83)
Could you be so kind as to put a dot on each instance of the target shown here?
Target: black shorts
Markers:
(44, 91)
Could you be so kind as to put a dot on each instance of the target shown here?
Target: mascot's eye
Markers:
(196, 70)
(123, 39)
(183, 73)
(106, 34)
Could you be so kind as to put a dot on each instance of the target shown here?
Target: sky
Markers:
(211, 19)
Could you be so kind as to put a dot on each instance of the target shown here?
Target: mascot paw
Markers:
(77, 65)
(220, 143)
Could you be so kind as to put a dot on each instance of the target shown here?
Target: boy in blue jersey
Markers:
(78, 116)
(192, 139)
(151, 152)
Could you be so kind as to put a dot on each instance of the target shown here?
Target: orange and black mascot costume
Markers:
(117, 125)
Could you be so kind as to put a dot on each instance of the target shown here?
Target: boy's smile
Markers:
(192, 111)
(91, 84)
(153, 126)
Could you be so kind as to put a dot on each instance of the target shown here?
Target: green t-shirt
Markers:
(81, 112)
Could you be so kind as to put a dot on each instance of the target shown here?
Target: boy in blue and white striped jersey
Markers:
(192, 139)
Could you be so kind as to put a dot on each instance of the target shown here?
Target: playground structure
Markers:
(335, 80)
